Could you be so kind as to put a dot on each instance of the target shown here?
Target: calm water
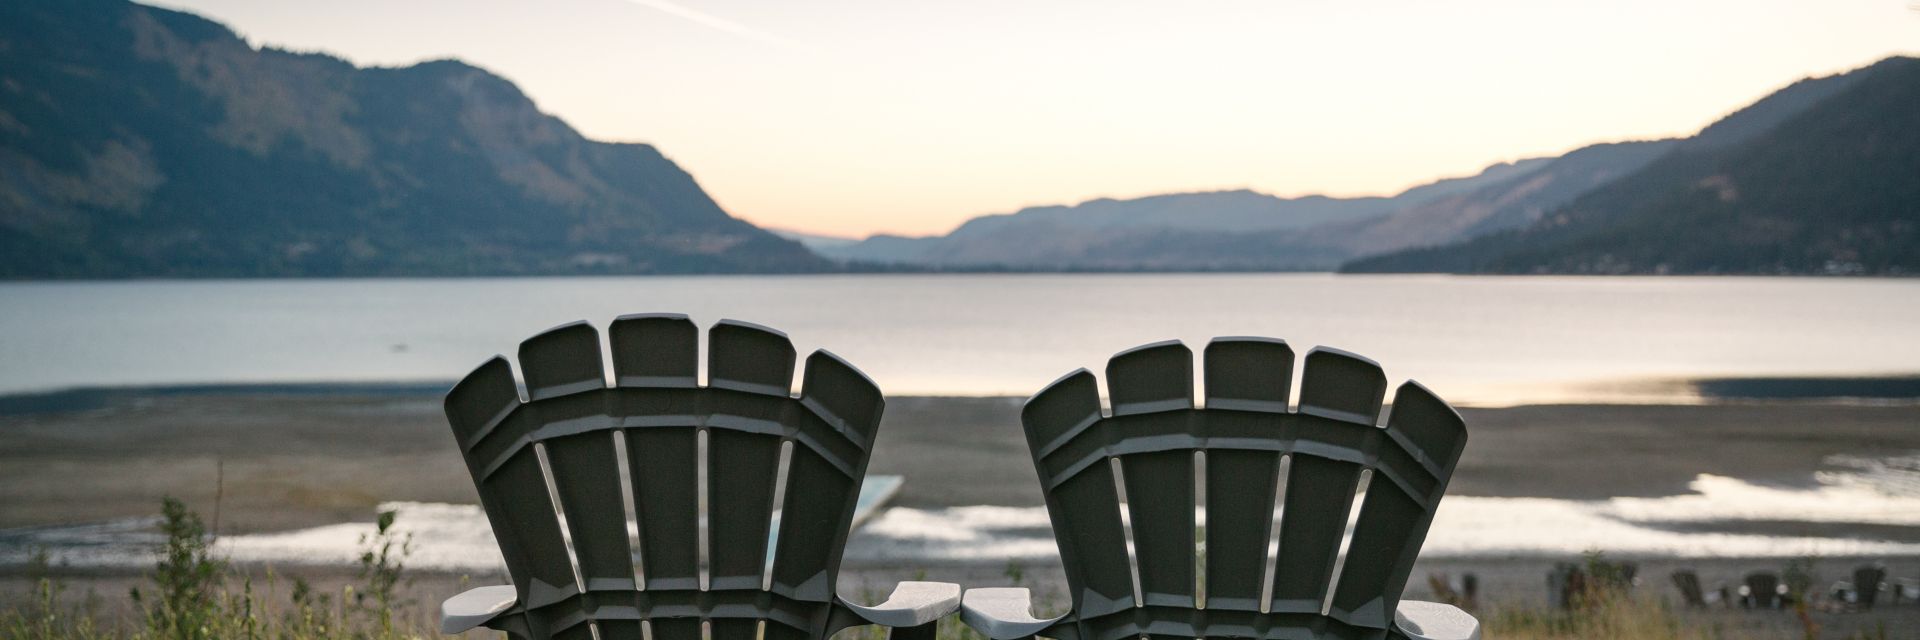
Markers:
(1482, 340)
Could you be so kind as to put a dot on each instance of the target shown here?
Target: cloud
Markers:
(716, 22)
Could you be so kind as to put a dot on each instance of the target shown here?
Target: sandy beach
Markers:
(282, 460)
(302, 457)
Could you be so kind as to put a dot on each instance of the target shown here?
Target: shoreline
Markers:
(867, 269)
(1866, 389)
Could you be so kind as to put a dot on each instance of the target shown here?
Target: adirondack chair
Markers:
(1140, 477)
(1864, 590)
(1762, 590)
(1695, 595)
(1464, 593)
(1572, 585)
(698, 469)
(1867, 579)
(1905, 588)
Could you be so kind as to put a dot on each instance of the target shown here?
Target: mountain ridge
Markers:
(138, 141)
(1819, 182)
(1318, 232)
(1101, 233)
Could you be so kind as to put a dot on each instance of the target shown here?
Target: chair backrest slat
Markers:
(1314, 519)
(748, 357)
(1160, 512)
(799, 570)
(734, 629)
(1391, 524)
(829, 458)
(655, 350)
(586, 474)
(649, 352)
(741, 465)
(474, 408)
(507, 477)
(560, 366)
(1086, 504)
(530, 514)
(741, 470)
(1152, 385)
(1348, 389)
(1247, 380)
(666, 507)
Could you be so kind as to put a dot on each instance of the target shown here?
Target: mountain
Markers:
(1238, 229)
(1245, 230)
(813, 241)
(1817, 178)
(1508, 204)
(143, 142)
(1102, 233)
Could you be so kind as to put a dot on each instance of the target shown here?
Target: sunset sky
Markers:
(851, 117)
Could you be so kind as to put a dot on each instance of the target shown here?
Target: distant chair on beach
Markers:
(562, 472)
(1140, 476)
(1762, 590)
(1864, 589)
(1693, 594)
(1463, 593)
(1905, 589)
(1572, 585)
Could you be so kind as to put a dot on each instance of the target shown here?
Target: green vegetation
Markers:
(194, 596)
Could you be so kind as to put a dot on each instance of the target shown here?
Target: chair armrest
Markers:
(475, 607)
(1004, 613)
(1435, 621)
(912, 604)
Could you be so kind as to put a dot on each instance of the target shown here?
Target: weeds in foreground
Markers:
(1602, 605)
(381, 568)
(1621, 616)
(186, 602)
(42, 616)
(192, 595)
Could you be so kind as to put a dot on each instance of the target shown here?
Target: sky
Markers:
(853, 117)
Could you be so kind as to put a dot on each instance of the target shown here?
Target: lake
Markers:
(1477, 340)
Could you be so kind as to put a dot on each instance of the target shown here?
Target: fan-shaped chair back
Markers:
(700, 470)
(1238, 514)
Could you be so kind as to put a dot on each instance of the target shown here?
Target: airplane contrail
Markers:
(716, 22)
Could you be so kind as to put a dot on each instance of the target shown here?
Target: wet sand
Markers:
(285, 460)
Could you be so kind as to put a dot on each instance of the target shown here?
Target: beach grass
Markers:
(1601, 614)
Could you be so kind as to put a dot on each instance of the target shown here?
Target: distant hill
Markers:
(1821, 177)
(813, 241)
(1507, 204)
(143, 142)
(1237, 229)
(1246, 230)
